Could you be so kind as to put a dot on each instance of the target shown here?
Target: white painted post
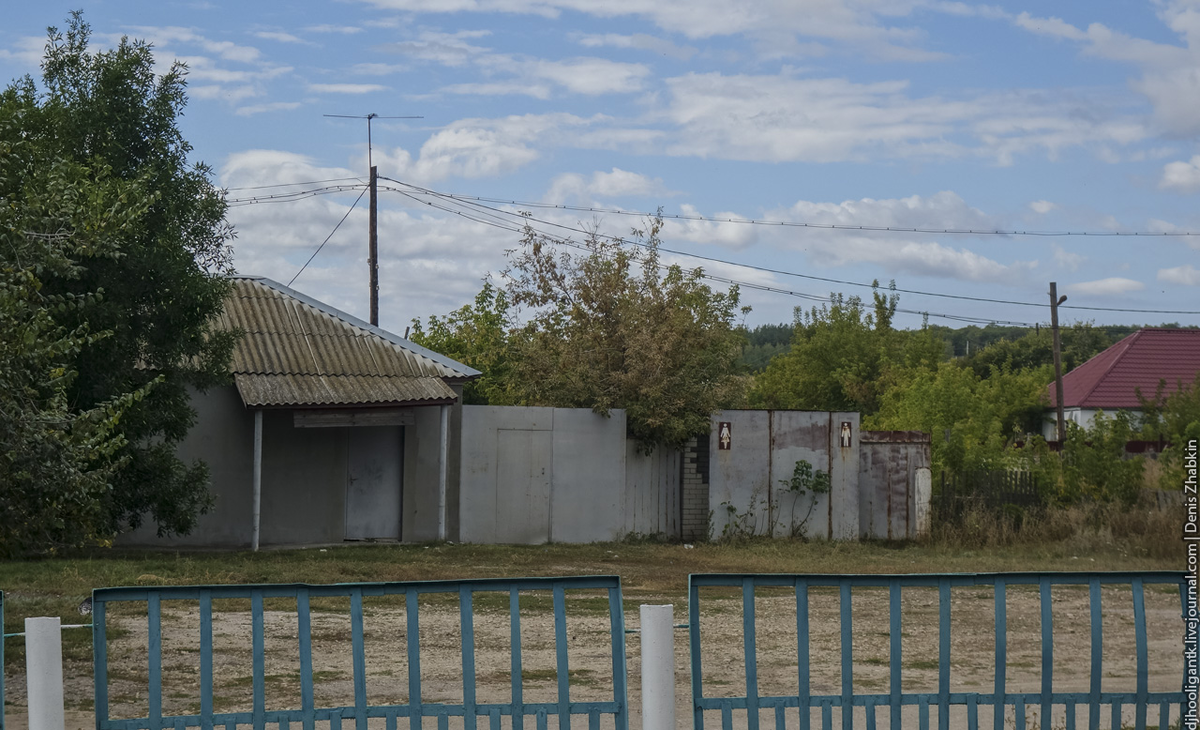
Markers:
(658, 667)
(43, 673)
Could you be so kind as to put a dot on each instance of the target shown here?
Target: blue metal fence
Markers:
(308, 713)
(1095, 701)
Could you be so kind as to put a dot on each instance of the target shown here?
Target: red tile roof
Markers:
(1111, 379)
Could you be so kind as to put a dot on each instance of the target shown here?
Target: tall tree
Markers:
(843, 357)
(156, 292)
(478, 335)
(613, 327)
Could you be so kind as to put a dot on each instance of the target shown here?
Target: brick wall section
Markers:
(694, 522)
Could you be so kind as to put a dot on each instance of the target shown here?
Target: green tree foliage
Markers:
(611, 327)
(1094, 463)
(763, 343)
(1080, 343)
(843, 357)
(1174, 418)
(476, 335)
(156, 291)
(56, 463)
(972, 420)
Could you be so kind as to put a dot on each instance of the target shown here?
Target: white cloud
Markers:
(275, 106)
(788, 118)
(897, 252)
(1112, 286)
(345, 88)
(376, 69)
(572, 187)
(448, 49)
(231, 94)
(1067, 259)
(1183, 177)
(1170, 77)
(280, 36)
(590, 75)
(26, 50)
(639, 41)
(474, 148)
(872, 27)
(162, 37)
(342, 29)
(1186, 275)
(1042, 206)
(712, 230)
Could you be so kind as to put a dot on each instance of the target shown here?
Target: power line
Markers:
(478, 202)
(284, 185)
(825, 226)
(339, 225)
(291, 196)
(478, 218)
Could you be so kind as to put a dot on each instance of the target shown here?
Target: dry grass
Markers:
(1141, 530)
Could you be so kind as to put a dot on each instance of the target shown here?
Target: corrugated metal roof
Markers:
(1112, 379)
(296, 350)
(336, 390)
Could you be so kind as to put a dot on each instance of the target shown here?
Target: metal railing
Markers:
(805, 702)
(360, 712)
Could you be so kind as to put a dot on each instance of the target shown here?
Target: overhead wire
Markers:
(335, 229)
(497, 222)
(474, 200)
(291, 196)
(823, 226)
(284, 185)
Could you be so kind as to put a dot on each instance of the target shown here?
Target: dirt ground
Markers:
(590, 655)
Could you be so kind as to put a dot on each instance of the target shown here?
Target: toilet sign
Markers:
(724, 435)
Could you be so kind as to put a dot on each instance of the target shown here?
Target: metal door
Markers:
(373, 479)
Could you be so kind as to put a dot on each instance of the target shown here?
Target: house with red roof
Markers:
(1111, 381)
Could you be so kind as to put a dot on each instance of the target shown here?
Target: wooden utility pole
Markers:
(373, 232)
(373, 249)
(1056, 300)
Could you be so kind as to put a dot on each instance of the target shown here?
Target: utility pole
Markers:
(1056, 300)
(373, 224)
(373, 247)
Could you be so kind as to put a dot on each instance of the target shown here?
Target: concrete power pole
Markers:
(1056, 300)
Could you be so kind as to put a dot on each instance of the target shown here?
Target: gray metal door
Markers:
(523, 486)
(373, 479)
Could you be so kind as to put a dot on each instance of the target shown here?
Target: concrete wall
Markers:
(534, 475)
(745, 493)
(894, 471)
(304, 473)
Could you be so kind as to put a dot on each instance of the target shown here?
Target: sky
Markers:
(767, 131)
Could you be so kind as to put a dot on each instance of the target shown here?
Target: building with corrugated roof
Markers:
(1112, 380)
(332, 430)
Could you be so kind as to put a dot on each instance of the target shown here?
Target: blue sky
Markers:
(919, 114)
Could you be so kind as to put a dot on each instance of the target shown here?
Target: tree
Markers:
(155, 289)
(973, 421)
(56, 463)
(613, 327)
(476, 335)
(843, 357)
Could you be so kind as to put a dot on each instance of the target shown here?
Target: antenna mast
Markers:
(372, 232)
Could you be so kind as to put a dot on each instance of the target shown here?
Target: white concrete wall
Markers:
(745, 493)
(534, 475)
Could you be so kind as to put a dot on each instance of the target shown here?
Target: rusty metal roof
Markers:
(295, 351)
